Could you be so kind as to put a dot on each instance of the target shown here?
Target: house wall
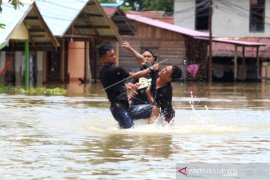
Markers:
(227, 20)
(266, 71)
(21, 33)
(184, 13)
(166, 45)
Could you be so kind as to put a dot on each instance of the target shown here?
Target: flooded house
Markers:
(62, 40)
(79, 26)
(23, 40)
(170, 43)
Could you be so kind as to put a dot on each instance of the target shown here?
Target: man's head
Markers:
(171, 73)
(107, 54)
(176, 73)
(149, 56)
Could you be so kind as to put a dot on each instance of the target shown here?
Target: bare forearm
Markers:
(140, 59)
(154, 115)
(150, 98)
(144, 72)
(139, 74)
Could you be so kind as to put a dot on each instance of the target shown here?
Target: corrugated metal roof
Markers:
(60, 14)
(39, 33)
(233, 41)
(28, 14)
(227, 50)
(83, 18)
(167, 26)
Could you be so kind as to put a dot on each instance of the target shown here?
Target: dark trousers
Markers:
(125, 116)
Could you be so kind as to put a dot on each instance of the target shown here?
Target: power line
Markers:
(223, 6)
(240, 11)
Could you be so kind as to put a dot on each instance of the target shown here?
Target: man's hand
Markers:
(126, 45)
(156, 67)
(132, 89)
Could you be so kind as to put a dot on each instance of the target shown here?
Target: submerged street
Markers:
(75, 136)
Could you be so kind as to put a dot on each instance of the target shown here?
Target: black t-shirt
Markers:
(162, 96)
(141, 97)
(112, 77)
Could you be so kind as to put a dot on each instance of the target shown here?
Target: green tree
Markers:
(149, 5)
(107, 1)
(160, 5)
(15, 3)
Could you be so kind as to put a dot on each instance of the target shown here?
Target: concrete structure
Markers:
(230, 18)
(243, 20)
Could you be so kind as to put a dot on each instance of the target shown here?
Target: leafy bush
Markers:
(33, 91)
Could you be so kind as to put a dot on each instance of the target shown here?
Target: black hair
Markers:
(176, 73)
(103, 48)
(151, 52)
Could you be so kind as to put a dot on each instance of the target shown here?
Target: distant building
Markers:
(244, 20)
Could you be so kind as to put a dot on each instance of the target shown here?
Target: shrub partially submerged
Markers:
(33, 91)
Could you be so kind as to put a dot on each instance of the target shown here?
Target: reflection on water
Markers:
(75, 137)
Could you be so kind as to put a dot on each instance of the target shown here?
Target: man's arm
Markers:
(155, 110)
(132, 89)
(154, 115)
(140, 59)
(144, 72)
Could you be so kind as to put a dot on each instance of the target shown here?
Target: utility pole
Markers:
(210, 13)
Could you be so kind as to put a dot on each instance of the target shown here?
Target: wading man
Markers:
(113, 79)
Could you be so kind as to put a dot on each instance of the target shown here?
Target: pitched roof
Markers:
(29, 16)
(84, 18)
(167, 26)
(124, 25)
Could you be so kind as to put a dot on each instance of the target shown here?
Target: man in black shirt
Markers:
(160, 92)
(113, 80)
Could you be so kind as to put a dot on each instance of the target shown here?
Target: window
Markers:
(202, 14)
(256, 21)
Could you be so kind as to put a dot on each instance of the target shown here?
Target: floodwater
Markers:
(75, 136)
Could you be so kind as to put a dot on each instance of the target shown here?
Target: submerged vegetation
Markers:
(32, 91)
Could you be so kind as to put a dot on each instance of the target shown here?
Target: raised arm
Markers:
(140, 59)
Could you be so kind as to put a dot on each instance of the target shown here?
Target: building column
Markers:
(39, 68)
(87, 63)
(62, 61)
(44, 66)
(18, 67)
(27, 65)
(257, 63)
(2, 64)
(235, 64)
